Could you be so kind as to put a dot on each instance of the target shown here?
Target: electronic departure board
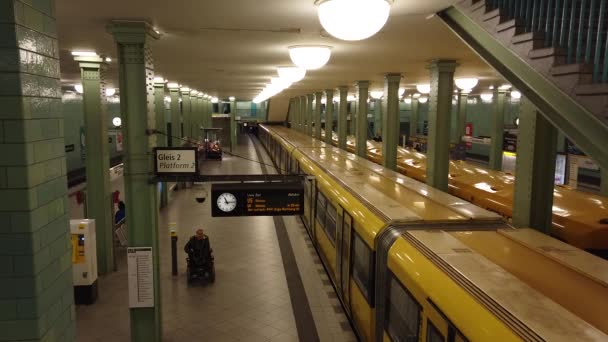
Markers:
(257, 199)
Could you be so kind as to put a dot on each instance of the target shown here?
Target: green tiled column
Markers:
(353, 121)
(136, 72)
(298, 113)
(362, 126)
(309, 114)
(186, 112)
(233, 141)
(497, 129)
(342, 122)
(99, 205)
(377, 118)
(36, 293)
(194, 116)
(303, 115)
(440, 107)
(200, 122)
(318, 96)
(534, 169)
(604, 182)
(161, 125)
(329, 117)
(176, 115)
(390, 126)
(461, 118)
(414, 118)
(208, 113)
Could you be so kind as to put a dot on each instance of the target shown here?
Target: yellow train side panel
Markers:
(424, 280)
(325, 246)
(362, 313)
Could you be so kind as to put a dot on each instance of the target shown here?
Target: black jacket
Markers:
(200, 249)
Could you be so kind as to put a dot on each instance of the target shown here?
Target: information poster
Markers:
(141, 277)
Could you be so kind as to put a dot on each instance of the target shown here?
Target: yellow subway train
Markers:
(579, 218)
(411, 263)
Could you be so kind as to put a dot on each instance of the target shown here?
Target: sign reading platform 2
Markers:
(175, 161)
(257, 199)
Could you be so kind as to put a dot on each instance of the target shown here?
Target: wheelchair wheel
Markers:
(212, 275)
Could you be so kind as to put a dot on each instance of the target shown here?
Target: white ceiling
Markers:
(232, 47)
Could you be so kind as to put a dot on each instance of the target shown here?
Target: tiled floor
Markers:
(250, 300)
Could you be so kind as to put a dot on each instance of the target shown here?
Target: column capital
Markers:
(89, 62)
(185, 91)
(343, 89)
(128, 31)
(362, 84)
(443, 65)
(319, 94)
(393, 77)
(310, 97)
(329, 91)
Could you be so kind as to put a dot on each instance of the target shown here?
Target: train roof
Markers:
(515, 295)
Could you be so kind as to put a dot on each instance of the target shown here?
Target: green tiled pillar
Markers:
(208, 112)
(377, 118)
(36, 293)
(298, 113)
(136, 72)
(186, 112)
(497, 129)
(534, 169)
(390, 130)
(414, 118)
(342, 122)
(194, 116)
(233, 141)
(352, 115)
(329, 117)
(461, 117)
(176, 116)
(318, 96)
(161, 125)
(440, 107)
(303, 114)
(362, 126)
(604, 182)
(200, 122)
(309, 114)
(97, 162)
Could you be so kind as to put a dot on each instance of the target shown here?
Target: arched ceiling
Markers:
(232, 47)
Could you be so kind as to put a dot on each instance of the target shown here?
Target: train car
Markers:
(411, 263)
(580, 219)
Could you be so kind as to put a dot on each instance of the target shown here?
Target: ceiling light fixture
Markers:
(110, 91)
(416, 95)
(291, 74)
(280, 82)
(79, 89)
(353, 19)
(376, 94)
(117, 121)
(407, 100)
(423, 88)
(486, 97)
(516, 95)
(108, 59)
(350, 98)
(466, 83)
(173, 85)
(423, 99)
(310, 57)
(215, 100)
(84, 54)
(401, 92)
(232, 98)
(505, 87)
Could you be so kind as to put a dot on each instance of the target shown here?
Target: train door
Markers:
(345, 232)
(309, 187)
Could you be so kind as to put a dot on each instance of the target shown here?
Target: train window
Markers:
(330, 223)
(460, 338)
(432, 333)
(403, 313)
(361, 261)
(321, 202)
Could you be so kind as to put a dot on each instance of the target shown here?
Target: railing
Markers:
(577, 26)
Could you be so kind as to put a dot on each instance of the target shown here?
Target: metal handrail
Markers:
(577, 26)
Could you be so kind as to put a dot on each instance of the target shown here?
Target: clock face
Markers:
(226, 202)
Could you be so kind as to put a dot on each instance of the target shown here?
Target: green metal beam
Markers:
(361, 134)
(535, 169)
(390, 117)
(342, 117)
(440, 107)
(161, 125)
(329, 114)
(133, 39)
(577, 123)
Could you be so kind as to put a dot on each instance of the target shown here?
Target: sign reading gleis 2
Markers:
(175, 161)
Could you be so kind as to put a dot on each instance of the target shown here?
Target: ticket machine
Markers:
(84, 260)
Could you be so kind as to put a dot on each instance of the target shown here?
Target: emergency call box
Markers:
(84, 260)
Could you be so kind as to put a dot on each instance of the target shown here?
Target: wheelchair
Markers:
(200, 269)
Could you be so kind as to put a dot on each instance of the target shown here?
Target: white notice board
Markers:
(141, 277)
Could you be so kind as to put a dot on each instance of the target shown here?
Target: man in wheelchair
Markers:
(200, 258)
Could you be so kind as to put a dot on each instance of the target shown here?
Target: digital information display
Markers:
(257, 199)
(175, 161)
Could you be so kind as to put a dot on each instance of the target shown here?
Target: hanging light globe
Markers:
(291, 74)
(466, 84)
(423, 88)
(353, 19)
(310, 57)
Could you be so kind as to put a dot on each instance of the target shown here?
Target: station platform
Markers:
(270, 283)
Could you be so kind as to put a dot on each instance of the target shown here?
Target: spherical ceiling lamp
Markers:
(486, 97)
(516, 95)
(376, 94)
(466, 83)
(423, 88)
(310, 57)
(291, 74)
(110, 91)
(423, 99)
(353, 19)
(401, 92)
(280, 82)
(117, 121)
(79, 88)
(215, 100)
